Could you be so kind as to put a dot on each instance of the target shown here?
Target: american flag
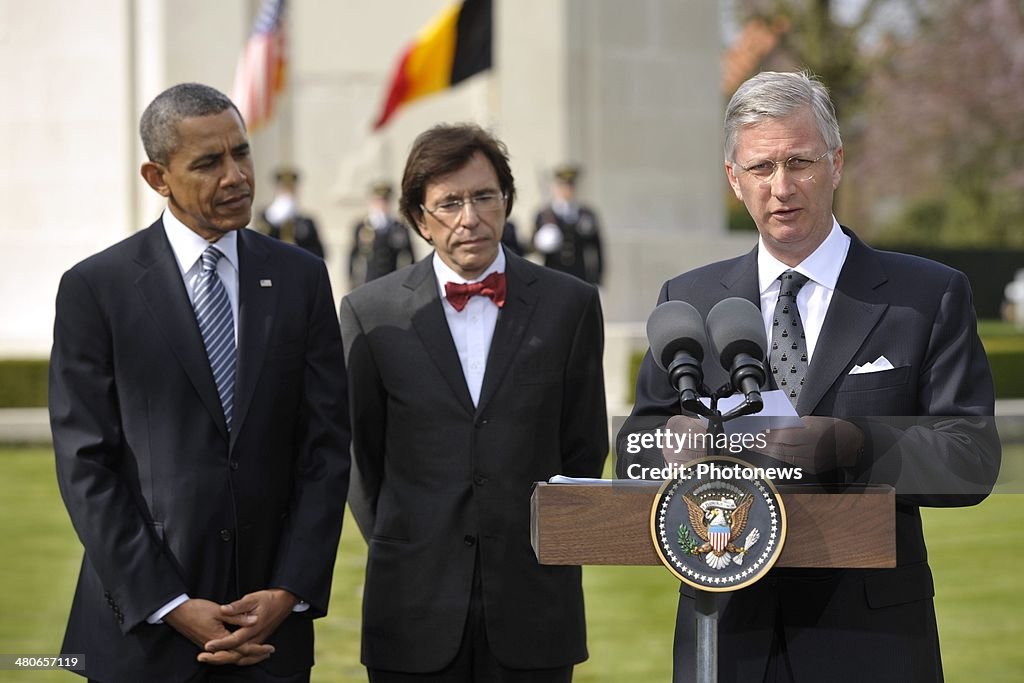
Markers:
(261, 66)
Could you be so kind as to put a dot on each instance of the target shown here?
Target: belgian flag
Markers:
(455, 45)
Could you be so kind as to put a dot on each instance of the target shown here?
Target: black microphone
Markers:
(736, 329)
(675, 331)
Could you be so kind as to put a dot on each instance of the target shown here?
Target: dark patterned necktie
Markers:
(217, 325)
(788, 355)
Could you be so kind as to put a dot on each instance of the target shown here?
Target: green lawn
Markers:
(976, 554)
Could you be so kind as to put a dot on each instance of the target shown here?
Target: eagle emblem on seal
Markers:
(719, 519)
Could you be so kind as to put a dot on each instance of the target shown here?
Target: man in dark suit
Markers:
(380, 242)
(198, 404)
(567, 232)
(895, 389)
(474, 374)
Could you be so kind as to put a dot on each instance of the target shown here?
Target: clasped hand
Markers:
(256, 616)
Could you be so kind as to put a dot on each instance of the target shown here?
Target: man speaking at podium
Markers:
(856, 336)
(474, 374)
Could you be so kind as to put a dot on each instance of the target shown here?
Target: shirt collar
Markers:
(822, 266)
(189, 246)
(445, 274)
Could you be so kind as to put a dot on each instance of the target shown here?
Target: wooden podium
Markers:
(610, 523)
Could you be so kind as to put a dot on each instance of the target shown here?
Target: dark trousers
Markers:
(474, 662)
(240, 674)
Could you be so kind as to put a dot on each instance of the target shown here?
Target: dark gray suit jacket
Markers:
(438, 483)
(164, 500)
(858, 625)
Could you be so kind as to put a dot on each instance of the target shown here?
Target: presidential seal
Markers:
(718, 526)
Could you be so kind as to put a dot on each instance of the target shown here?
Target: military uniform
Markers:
(378, 249)
(282, 220)
(568, 234)
(298, 230)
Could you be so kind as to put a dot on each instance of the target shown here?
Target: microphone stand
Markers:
(706, 602)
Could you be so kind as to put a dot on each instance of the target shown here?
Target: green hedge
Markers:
(1008, 373)
(23, 383)
(1004, 344)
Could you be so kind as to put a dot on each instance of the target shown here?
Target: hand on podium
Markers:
(823, 444)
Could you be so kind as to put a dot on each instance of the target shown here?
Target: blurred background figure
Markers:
(283, 220)
(510, 239)
(1013, 303)
(381, 244)
(567, 233)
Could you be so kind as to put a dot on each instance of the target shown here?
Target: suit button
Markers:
(234, 465)
(225, 534)
(481, 423)
(469, 540)
(479, 480)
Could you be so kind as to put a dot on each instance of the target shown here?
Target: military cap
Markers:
(382, 189)
(567, 173)
(286, 175)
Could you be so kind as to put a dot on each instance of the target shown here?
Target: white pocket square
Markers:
(878, 365)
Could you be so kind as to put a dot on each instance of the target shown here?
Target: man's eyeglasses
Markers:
(483, 203)
(799, 168)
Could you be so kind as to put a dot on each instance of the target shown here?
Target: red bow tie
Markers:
(492, 286)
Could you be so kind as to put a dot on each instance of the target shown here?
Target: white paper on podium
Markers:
(575, 481)
(778, 413)
(562, 479)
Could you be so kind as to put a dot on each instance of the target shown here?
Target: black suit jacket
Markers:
(164, 500)
(942, 449)
(438, 482)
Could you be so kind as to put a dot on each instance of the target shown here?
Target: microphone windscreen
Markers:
(675, 326)
(735, 326)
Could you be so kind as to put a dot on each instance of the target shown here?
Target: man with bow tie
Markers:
(473, 374)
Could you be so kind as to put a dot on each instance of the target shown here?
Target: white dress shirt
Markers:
(472, 328)
(188, 248)
(822, 267)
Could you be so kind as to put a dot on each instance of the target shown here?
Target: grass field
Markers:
(976, 555)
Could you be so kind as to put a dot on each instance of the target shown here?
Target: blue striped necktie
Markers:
(216, 324)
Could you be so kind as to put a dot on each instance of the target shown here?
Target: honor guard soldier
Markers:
(381, 243)
(567, 233)
(282, 218)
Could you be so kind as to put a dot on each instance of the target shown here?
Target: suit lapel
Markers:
(738, 280)
(513, 320)
(853, 312)
(427, 315)
(256, 307)
(163, 291)
(741, 279)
